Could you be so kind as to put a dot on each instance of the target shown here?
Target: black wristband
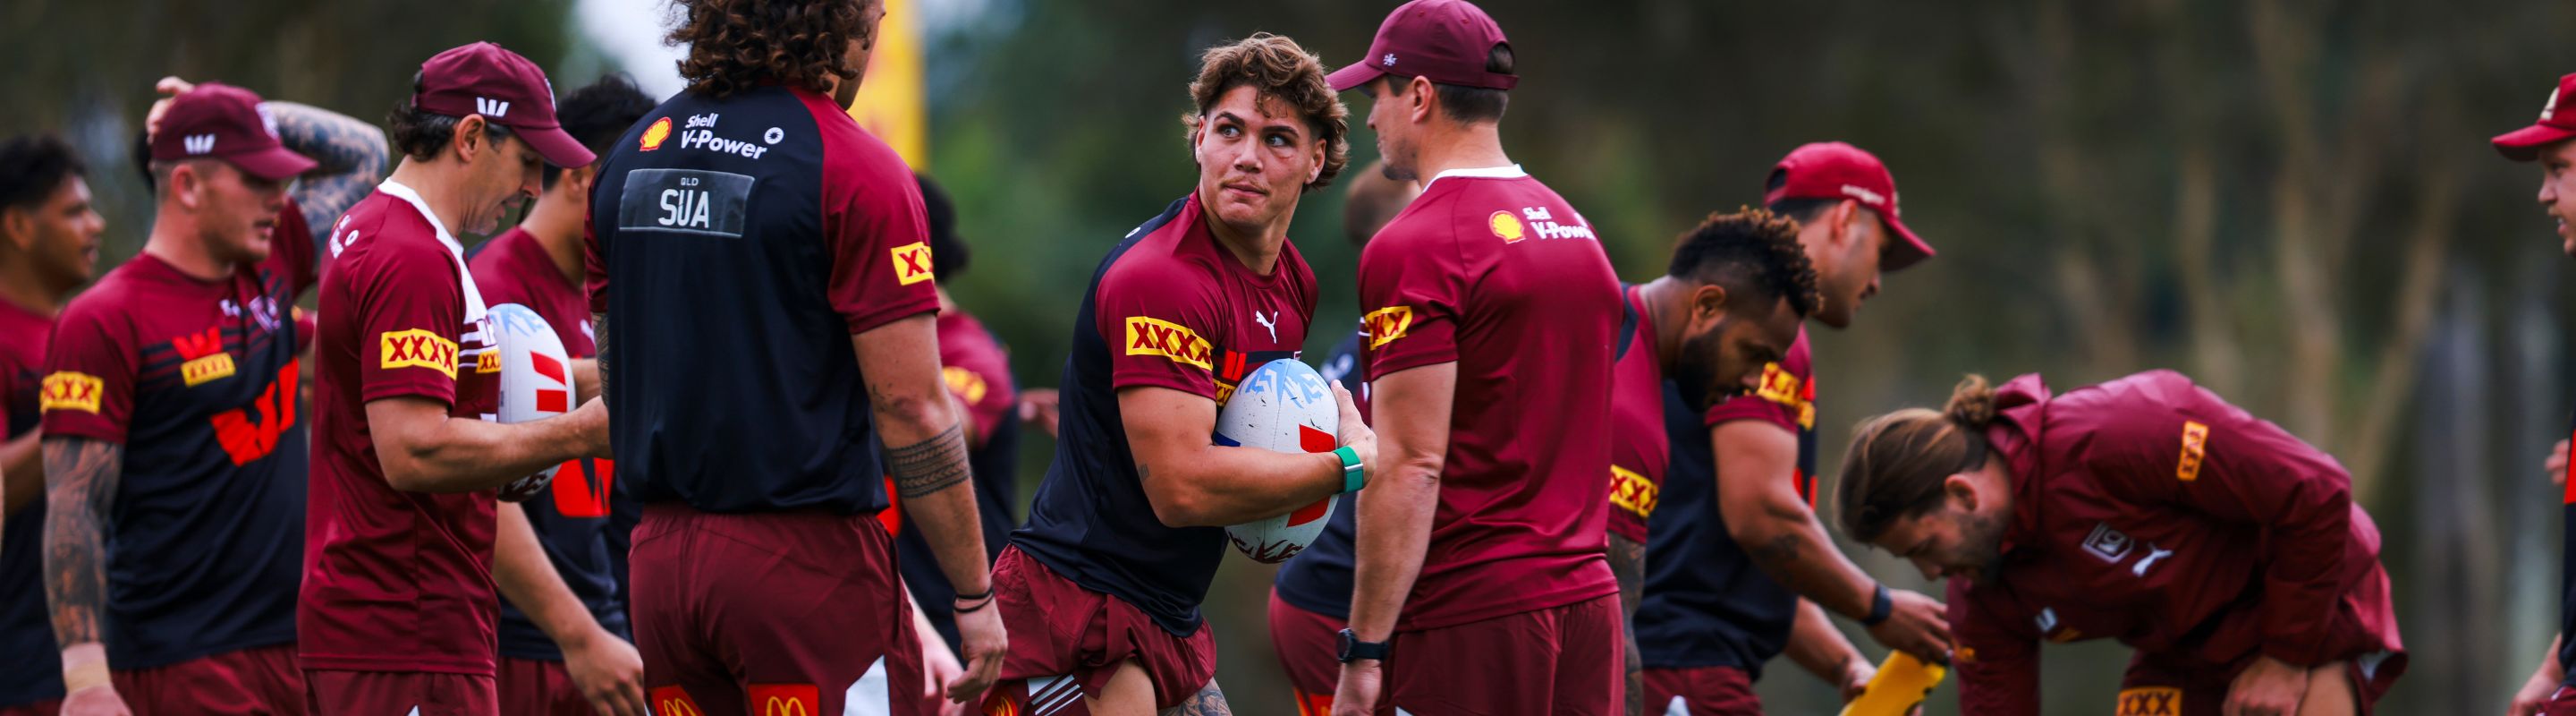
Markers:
(986, 594)
(1880, 608)
(980, 605)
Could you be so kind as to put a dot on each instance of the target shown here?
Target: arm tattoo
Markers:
(1778, 553)
(1628, 565)
(599, 348)
(351, 154)
(1207, 702)
(80, 487)
(930, 465)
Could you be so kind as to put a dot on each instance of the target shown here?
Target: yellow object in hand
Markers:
(1901, 684)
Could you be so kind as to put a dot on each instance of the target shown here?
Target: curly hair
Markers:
(1751, 252)
(736, 44)
(33, 167)
(1277, 68)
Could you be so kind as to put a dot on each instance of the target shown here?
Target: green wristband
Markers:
(1354, 475)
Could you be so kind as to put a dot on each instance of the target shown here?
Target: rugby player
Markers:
(1104, 584)
(49, 233)
(1492, 315)
(564, 648)
(1737, 562)
(775, 257)
(398, 609)
(183, 371)
(2546, 141)
(2225, 551)
(1310, 598)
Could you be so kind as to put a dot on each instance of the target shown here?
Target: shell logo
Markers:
(1507, 226)
(654, 135)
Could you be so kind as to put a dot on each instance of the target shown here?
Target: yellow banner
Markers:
(890, 103)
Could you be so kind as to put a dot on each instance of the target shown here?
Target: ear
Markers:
(1315, 158)
(1198, 150)
(1844, 214)
(582, 178)
(185, 183)
(1418, 96)
(1962, 491)
(1708, 304)
(468, 137)
(18, 226)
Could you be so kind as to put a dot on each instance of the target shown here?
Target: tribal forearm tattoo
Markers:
(599, 349)
(81, 477)
(930, 465)
(1207, 702)
(351, 154)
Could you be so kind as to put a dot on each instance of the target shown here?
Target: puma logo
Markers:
(2153, 554)
(1269, 323)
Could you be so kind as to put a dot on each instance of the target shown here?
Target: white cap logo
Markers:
(267, 119)
(2551, 107)
(198, 143)
(1389, 61)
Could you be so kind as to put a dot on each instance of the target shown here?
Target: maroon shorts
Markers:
(47, 707)
(540, 688)
(768, 613)
(1309, 646)
(1559, 660)
(260, 681)
(1066, 641)
(1701, 691)
(2561, 703)
(2157, 686)
(399, 692)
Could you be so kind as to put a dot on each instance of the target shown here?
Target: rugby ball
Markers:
(1285, 406)
(536, 381)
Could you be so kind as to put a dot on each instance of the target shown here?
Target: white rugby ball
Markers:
(1285, 406)
(536, 381)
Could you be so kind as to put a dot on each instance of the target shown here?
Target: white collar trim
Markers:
(473, 296)
(1508, 171)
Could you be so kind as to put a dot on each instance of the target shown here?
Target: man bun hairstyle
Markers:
(1899, 463)
(1277, 68)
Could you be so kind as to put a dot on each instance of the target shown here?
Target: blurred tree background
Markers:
(2291, 200)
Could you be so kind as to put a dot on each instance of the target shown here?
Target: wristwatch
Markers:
(1354, 650)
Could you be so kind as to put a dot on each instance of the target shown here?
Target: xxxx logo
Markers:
(1633, 492)
(672, 701)
(2195, 444)
(417, 348)
(1783, 387)
(786, 700)
(965, 383)
(1157, 337)
(244, 439)
(205, 356)
(912, 263)
(69, 390)
(2151, 701)
(1387, 324)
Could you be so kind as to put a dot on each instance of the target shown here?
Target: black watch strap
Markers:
(1354, 650)
(1880, 608)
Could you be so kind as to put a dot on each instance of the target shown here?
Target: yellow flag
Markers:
(890, 104)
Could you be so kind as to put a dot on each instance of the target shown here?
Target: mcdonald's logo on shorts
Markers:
(673, 701)
(786, 700)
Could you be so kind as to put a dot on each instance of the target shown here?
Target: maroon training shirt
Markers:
(1493, 271)
(1639, 448)
(395, 581)
(2150, 511)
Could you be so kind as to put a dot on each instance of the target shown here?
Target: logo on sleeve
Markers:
(1785, 389)
(1387, 324)
(672, 701)
(1632, 492)
(912, 263)
(1507, 227)
(2195, 443)
(2151, 701)
(1157, 337)
(68, 390)
(205, 356)
(786, 700)
(417, 348)
(655, 135)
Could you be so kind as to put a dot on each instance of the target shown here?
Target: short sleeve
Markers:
(880, 246)
(88, 388)
(1412, 292)
(1159, 327)
(1776, 401)
(410, 305)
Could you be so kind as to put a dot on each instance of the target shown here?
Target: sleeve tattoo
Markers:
(351, 154)
(80, 487)
(930, 465)
(1209, 701)
(599, 348)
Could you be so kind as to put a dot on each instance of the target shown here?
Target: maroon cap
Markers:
(225, 122)
(2556, 124)
(1445, 41)
(1834, 170)
(507, 90)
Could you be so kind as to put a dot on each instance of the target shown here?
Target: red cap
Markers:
(2556, 124)
(1834, 170)
(507, 90)
(226, 122)
(1445, 41)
